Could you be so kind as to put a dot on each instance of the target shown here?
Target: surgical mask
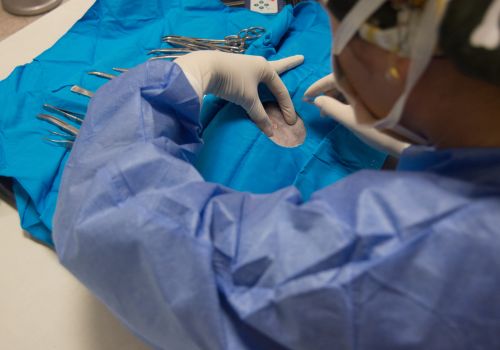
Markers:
(487, 34)
(420, 50)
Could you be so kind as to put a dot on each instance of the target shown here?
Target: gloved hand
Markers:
(349, 114)
(235, 78)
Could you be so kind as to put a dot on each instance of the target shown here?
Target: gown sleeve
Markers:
(165, 250)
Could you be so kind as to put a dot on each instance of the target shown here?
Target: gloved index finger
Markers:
(280, 92)
(321, 86)
(344, 114)
(284, 64)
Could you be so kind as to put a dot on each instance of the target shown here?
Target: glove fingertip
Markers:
(291, 119)
(268, 130)
(319, 101)
(265, 125)
(309, 93)
(327, 105)
(299, 59)
(308, 99)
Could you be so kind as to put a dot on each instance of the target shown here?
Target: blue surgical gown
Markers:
(379, 260)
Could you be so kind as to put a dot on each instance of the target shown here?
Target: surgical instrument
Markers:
(236, 43)
(235, 3)
(119, 70)
(79, 90)
(246, 34)
(168, 53)
(194, 44)
(67, 140)
(70, 129)
(164, 57)
(65, 143)
(102, 75)
(76, 117)
(70, 137)
(172, 50)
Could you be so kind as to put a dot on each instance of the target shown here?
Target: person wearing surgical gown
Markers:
(383, 259)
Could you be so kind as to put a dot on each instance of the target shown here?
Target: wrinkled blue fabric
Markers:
(238, 155)
(119, 33)
(379, 260)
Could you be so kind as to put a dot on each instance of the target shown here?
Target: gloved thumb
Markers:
(258, 114)
(321, 86)
(345, 115)
(335, 109)
(281, 66)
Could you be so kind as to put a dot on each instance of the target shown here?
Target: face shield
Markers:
(416, 37)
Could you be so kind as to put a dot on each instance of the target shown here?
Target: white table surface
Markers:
(42, 306)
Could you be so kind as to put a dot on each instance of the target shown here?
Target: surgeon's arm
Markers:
(165, 250)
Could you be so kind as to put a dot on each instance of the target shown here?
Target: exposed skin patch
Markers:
(285, 135)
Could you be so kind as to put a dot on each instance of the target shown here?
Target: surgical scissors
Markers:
(236, 43)
(193, 44)
(207, 44)
(243, 36)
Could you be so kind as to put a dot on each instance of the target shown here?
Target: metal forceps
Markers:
(76, 117)
(70, 131)
(68, 138)
(247, 34)
(236, 43)
(194, 44)
(107, 75)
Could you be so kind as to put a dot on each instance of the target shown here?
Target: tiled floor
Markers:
(9, 24)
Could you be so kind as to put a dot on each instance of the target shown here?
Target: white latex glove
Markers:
(346, 115)
(235, 78)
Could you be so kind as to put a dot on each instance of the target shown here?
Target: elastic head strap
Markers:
(422, 50)
(351, 23)
(487, 33)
